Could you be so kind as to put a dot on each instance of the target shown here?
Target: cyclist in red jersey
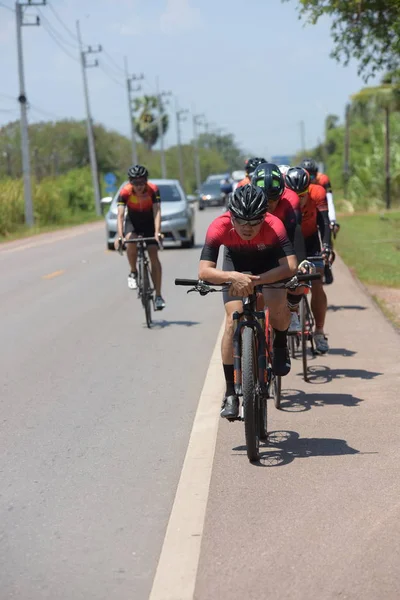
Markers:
(284, 204)
(250, 167)
(256, 242)
(142, 201)
(315, 223)
(321, 179)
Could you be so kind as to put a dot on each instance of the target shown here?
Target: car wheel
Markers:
(110, 246)
(190, 243)
(201, 206)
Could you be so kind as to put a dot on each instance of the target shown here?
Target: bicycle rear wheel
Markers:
(146, 292)
(292, 343)
(304, 335)
(250, 396)
(277, 388)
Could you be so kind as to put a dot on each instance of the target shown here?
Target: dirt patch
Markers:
(389, 300)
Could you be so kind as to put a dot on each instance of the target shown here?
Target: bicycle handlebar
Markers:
(299, 277)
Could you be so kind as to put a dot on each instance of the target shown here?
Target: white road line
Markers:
(176, 573)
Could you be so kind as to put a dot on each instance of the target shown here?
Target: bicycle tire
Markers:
(304, 336)
(147, 296)
(292, 346)
(250, 396)
(277, 383)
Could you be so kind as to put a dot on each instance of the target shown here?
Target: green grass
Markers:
(370, 244)
(23, 231)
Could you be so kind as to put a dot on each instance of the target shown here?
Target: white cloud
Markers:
(179, 16)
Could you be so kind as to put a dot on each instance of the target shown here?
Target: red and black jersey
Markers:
(289, 212)
(258, 255)
(140, 206)
(245, 181)
(322, 179)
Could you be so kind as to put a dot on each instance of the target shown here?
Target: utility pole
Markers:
(89, 124)
(160, 95)
(387, 157)
(180, 116)
(22, 99)
(302, 136)
(131, 89)
(197, 120)
(346, 167)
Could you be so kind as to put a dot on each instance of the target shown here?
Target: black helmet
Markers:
(310, 165)
(138, 172)
(298, 179)
(248, 202)
(268, 177)
(253, 163)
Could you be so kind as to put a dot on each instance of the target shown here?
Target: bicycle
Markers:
(144, 279)
(254, 378)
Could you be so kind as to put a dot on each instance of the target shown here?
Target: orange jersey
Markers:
(243, 182)
(312, 202)
(139, 204)
(322, 179)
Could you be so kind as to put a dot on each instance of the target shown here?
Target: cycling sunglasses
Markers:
(252, 223)
(139, 181)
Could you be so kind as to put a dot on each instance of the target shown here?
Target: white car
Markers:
(177, 214)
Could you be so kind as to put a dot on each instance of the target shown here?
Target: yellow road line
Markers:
(52, 275)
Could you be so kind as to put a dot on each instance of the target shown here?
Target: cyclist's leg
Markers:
(319, 301)
(156, 270)
(279, 315)
(131, 253)
(230, 405)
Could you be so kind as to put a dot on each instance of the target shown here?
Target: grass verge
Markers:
(23, 231)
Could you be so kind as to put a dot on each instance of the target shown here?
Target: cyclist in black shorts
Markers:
(142, 199)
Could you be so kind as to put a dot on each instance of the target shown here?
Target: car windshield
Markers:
(211, 187)
(169, 193)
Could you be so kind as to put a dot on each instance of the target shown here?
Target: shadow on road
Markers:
(163, 324)
(341, 352)
(319, 374)
(299, 401)
(285, 446)
(335, 308)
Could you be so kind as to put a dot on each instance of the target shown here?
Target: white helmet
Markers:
(284, 169)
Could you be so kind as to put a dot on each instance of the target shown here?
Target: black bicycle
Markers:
(254, 378)
(144, 279)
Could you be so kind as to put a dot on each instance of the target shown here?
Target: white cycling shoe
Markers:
(321, 343)
(132, 281)
(294, 326)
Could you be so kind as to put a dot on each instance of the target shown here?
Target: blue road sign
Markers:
(110, 179)
(111, 189)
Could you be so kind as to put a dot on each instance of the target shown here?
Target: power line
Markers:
(44, 112)
(56, 33)
(59, 44)
(62, 23)
(102, 67)
(8, 7)
(120, 69)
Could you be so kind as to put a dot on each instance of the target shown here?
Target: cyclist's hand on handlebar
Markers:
(335, 228)
(326, 252)
(118, 244)
(306, 267)
(242, 284)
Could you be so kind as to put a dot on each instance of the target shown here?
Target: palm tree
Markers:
(146, 123)
(384, 97)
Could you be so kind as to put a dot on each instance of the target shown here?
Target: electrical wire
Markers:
(8, 7)
(55, 40)
(102, 67)
(62, 23)
(45, 22)
(116, 66)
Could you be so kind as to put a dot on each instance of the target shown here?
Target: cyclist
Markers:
(284, 203)
(256, 242)
(283, 169)
(226, 187)
(142, 200)
(251, 165)
(321, 179)
(315, 221)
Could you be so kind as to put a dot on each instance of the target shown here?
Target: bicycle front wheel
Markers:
(147, 296)
(250, 396)
(277, 388)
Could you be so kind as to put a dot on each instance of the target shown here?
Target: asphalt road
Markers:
(96, 417)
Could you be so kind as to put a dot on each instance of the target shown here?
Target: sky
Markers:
(252, 68)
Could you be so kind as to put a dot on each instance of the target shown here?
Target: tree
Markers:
(146, 124)
(384, 97)
(367, 30)
(226, 146)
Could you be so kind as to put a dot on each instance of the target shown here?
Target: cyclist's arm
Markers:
(208, 272)
(324, 226)
(287, 268)
(120, 220)
(299, 244)
(157, 219)
(331, 207)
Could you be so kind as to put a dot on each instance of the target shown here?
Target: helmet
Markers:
(283, 169)
(138, 172)
(248, 202)
(253, 163)
(268, 177)
(298, 179)
(310, 165)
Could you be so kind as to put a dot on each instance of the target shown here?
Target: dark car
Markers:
(210, 195)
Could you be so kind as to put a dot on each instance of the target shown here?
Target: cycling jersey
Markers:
(140, 206)
(314, 212)
(243, 182)
(258, 255)
(288, 211)
(322, 179)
